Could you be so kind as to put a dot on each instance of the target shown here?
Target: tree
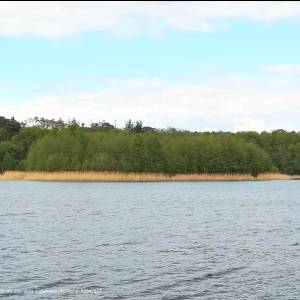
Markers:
(129, 126)
(9, 127)
(3, 134)
(138, 127)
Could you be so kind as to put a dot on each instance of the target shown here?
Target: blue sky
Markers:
(185, 71)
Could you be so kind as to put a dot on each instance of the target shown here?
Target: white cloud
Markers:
(58, 19)
(283, 70)
(228, 106)
(250, 124)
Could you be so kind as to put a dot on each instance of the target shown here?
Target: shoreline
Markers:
(137, 177)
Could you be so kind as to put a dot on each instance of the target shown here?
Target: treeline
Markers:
(54, 145)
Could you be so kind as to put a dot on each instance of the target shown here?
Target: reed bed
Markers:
(274, 176)
(135, 177)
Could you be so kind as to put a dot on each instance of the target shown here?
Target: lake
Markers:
(149, 241)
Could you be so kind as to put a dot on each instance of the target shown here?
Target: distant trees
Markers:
(281, 146)
(8, 128)
(10, 155)
(145, 152)
(45, 123)
(102, 124)
(59, 150)
(54, 145)
(137, 127)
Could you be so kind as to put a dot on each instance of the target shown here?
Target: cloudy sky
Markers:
(200, 66)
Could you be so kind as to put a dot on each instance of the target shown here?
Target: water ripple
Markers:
(151, 241)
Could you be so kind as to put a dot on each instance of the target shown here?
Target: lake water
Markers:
(149, 241)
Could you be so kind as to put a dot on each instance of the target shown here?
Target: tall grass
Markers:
(275, 176)
(135, 177)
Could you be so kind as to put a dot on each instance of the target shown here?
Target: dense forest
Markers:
(41, 144)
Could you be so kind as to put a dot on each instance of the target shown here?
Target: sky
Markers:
(201, 66)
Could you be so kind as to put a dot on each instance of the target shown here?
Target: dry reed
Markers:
(274, 176)
(135, 177)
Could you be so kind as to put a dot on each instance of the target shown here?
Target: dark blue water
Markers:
(149, 241)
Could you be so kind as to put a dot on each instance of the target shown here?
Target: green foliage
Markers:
(8, 128)
(79, 149)
(59, 150)
(10, 155)
(293, 159)
(68, 147)
(3, 134)
(281, 147)
(28, 135)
